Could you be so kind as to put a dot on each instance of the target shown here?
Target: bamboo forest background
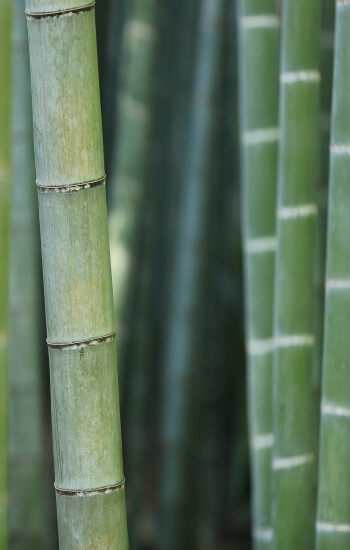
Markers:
(217, 128)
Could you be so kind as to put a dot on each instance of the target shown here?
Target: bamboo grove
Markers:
(174, 275)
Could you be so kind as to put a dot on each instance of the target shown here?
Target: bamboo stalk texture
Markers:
(80, 322)
(5, 56)
(295, 398)
(333, 511)
(27, 523)
(259, 29)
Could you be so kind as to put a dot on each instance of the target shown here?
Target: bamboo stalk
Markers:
(259, 27)
(177, 525)
(130, 167)
(27, 524)
(295, 399)
(5, 30)
(333, 513)
(89, 476)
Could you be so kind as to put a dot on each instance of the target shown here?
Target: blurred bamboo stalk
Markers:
(177, 515)
(259, 30)
(27, 518)
(295, 398)
(131, 161)
(5, 110)
(89, 477)
(333, 513)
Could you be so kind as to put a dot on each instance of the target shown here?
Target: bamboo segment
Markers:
(27, 522)
(295, 399)
(177, 523)
(259, 27)
(77, 278)
(333, 515)
(5, 30)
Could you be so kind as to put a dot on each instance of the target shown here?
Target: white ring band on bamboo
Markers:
(334, 410)
(295, 340)
(260, 347)
(261, 135)
(260, 245)
(299, 211)
(333, 527)
(291, 77)
(344, 3)
(264, 534)
(283, 463)
(340, 149)
(57, 13)
(90, 492)
(264, 441)
(249, 22)
(83, 343)
(338, 284)
(72, 187)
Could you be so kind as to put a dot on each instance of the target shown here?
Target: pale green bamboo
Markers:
(27, 518)
(5, 30)
(259, 29)
(177, 514)
(333, 511)
(131, 160)
(89, 476)
(295, 398)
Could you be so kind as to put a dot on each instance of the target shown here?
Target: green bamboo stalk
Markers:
(295, 398)
(5, 49)
(27, 524)
(177, 525)
(259, 27)
(89, 476)
(130, 166)
(333, 513)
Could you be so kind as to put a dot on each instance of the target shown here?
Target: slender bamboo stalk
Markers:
(27, 522)
(130, 167)
(333, 514)
(295, 399)
(177, 525)
(259, 27)
(5, 30)
(77, 279)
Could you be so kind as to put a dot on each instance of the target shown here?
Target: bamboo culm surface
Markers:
(295, 397)
(80, 322)
(333, 510)
(5, 56)
(259, 29)
(177, 516)
(27, 517)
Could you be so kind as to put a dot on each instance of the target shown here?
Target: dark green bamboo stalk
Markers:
(130, 166)
(27, 519)
(5, 55)
(77, 279)
(259, 27)
(177, 515)
(333, 514)
(295, 397)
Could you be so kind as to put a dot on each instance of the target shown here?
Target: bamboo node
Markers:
(291, 77)
(267, 21)
(71, 187)
(294, 340)
(334, 410)
(260, 135)
(260, 347)
(263, 441)
(82, 344)
(333, 527)
(260, 245)
(340, 149)
(264, 534)
(298, 211)
(58, 13)
(283, 463)
(338, 284)
(90, 492)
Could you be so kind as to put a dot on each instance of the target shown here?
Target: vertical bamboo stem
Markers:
(295, 398)
(333, 514)
(5, 30)
(259, 27)
(89, 476)
(27, 522)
